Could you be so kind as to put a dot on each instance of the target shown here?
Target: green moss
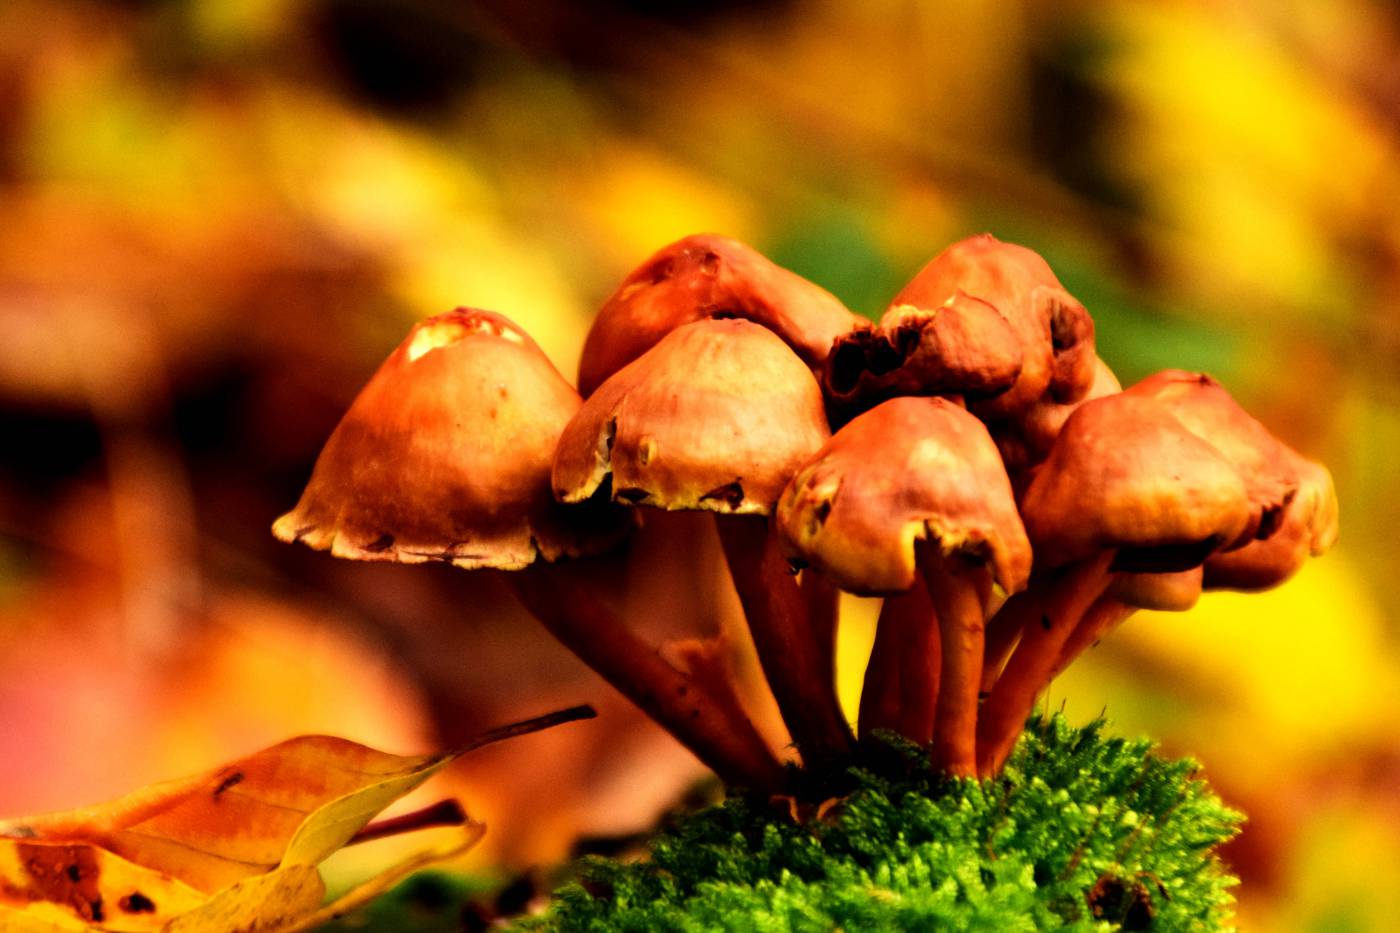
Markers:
(1081, 832)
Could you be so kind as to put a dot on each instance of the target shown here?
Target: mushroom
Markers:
(445, 456)
(1265, 463)
(962, 347)
(1056, 334)
(915, 488)
(1126, 488)
(716, 416)
(703, 277)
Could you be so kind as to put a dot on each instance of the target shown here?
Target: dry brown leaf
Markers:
(232, 849)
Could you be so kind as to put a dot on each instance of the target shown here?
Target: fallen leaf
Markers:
(233, 849)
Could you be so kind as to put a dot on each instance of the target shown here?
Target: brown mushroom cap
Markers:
(1308, 528)
(908, 469)
(1125, 474)
(963, 346)
(716, 416)
(445, 455)
(1056, 333)
(1266, 464)
(708, 276)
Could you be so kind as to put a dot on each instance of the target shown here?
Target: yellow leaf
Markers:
(233, 849)
(266, 903)
(55, 885)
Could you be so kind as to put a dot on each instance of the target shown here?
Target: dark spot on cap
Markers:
(380, 544)
(661, 271)
(95, 909)
(731, 494)
(137, 903)
(709, 263)
(822, 511)
(74, 873)
(1045, 621)
(682, 690)
(234, 778)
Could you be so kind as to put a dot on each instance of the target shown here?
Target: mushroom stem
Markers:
(798, 668)
(702, 710)
(1066, 599)
(1105, 615)
(823, 601)
(1004, 630)
(901, 680)
(955, 589)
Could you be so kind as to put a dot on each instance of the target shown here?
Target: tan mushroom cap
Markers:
(1126, 475)
(709, 276)
(908, 469)
(1308, 528)
(1056, 332)
(445, 456)
(963, 346)
(715, 417)
(1266, 464)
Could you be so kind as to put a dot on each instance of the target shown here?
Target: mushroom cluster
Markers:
(969, 458)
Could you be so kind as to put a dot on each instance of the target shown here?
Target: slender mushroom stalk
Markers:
(955, 588)
(445, 456)
(1126, 488)
(716, 417)
(901, 679)
(911, 470)
(702, 277)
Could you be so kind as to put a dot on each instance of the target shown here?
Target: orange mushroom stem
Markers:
(901, 679)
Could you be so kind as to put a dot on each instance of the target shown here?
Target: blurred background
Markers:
(220, 215)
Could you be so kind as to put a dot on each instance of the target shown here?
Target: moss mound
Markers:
(1081, 832)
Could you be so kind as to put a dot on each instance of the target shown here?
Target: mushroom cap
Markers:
(1267, 465)
(963, 346)
(910, 468)
(1308, 528)
(709, 276)
(716, 417)
(1027, 440)
(1125, 474)
(1056, 332)
(1164, 592)
(445, 456)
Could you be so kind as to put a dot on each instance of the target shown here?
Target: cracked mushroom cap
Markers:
(445, 456)
(1126, 475)
(1056, 332)
(963, 347)
(911, 468)
(1308, 529)
(709, 276)
(715, 417)
(1267, 465)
